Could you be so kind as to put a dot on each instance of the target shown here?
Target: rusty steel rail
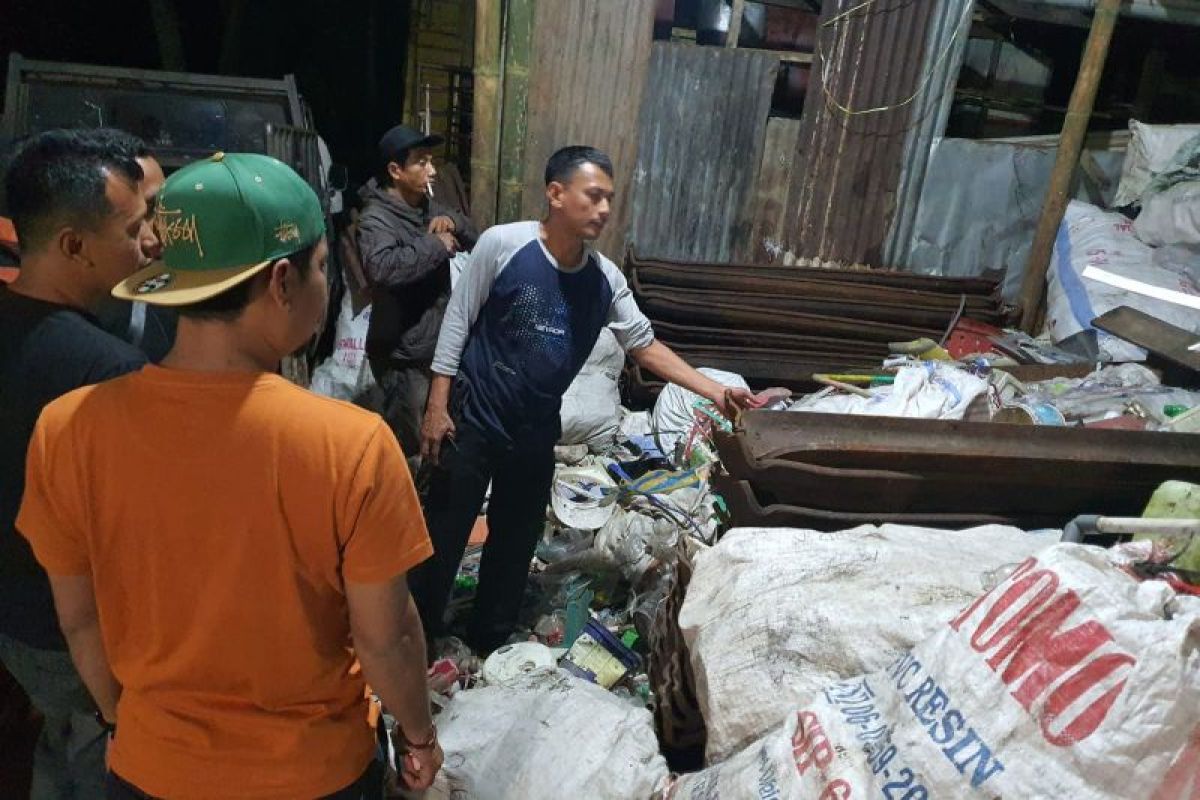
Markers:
(836, 464)
(717, 281)
(735, 338)
(965, 491)
(846, 440)
(664, 305)
(872, 277)
(796, 301)
(746, 510)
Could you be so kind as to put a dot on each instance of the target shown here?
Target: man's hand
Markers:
(419, 765)
(434, 430)
(728, 400)
(448, 241)
(442, 224)
(663, 362)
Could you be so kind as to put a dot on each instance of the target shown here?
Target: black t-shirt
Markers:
(46, 350)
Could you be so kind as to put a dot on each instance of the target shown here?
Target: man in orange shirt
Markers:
(217, 538)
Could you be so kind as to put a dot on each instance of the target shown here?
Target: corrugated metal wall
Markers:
(947, 44)
(703, 123)
(587, 72)
(847, 183)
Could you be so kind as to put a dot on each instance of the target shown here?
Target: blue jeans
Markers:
(69, 759)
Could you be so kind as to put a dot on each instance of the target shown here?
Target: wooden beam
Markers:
(166, 29)
(485, 133)
(518, 44)
(735, 23)
(1079, 112)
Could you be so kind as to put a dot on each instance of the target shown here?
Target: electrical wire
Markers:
(925, 81)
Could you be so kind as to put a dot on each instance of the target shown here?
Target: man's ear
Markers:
(395, 170)
(282, 283)
(554, 193)
(70, 244)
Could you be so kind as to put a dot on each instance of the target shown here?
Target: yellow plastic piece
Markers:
(1176, 500)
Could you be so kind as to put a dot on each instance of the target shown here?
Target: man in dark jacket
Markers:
(406, 241)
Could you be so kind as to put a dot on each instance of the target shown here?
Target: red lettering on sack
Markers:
(1182, 781)
(1007, 601)
(967, 612)
(836, 790)
(1032, 653)
(810, 745)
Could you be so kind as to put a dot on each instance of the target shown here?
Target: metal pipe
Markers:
(485, 131)
(1083, 97)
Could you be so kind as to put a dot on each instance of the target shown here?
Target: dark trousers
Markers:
(520, 481)
(403, 388)
(369, 786)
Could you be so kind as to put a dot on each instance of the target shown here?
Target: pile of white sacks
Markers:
(887, 662)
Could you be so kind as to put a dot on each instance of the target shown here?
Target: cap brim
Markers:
(162, 286)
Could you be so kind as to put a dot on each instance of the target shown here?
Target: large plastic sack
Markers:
(933, 390)
(673, 414)
(591, 406)
(1171, 216)
(1151, 149)
(1068, 679)
(773, 615)
(546, 735)
(346, 374)
(1090, 237)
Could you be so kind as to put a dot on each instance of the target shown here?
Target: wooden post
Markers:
(170, 42)
(485, 131)
(1070, 143)
(518, 43)
(735, 23)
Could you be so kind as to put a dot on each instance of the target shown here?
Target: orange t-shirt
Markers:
(219, 514)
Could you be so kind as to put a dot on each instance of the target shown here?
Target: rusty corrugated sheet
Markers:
(846, 186)
(587, 71)
(703, 122)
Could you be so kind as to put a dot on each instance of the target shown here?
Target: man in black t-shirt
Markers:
(76, 201)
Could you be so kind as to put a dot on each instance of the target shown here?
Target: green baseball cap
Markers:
(222, 221)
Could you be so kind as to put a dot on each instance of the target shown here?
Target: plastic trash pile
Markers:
(977, 388)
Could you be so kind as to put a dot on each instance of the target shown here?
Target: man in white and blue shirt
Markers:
(520, 324)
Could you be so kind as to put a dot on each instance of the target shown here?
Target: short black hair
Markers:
(565, 161)
(58, 177)
(229, 304)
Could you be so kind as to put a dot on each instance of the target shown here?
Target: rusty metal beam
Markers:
(666, 306)
(747, 510)
(968, 489)
(873, 277)
(839, 439)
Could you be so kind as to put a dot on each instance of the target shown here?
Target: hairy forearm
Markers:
(439, 393)
(395, 670)
(666, 364)
(91, 661)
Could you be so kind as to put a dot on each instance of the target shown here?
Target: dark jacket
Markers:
(409, 272)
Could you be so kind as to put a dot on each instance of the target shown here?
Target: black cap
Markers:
(396, 143)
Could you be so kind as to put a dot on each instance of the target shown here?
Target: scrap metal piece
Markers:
(746, 510)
